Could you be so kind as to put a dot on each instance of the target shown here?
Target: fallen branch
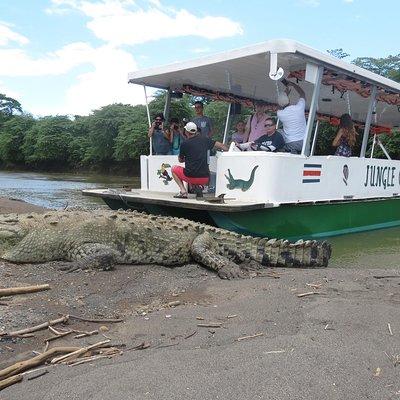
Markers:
(89, 359)
(30, 378)
(23, 289)
(390, 329)
(250, 336)
(33, 362)
(39, 327)
(211, 325)
(10, 381)
(111, 321)
(192, 334)
(386, 276)
(58, 336)
(78, 352)
(307, 294)
(84, 334)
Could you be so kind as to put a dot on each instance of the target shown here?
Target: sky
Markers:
(73, 56)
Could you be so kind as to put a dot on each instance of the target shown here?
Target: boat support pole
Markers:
(368, 122)
(227, 123)
(229, 80)
(314, 138)
(167, 105)
(313, 110)
(148, 118)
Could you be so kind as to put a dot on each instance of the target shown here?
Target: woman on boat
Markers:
(346, 137)
(161, 137)
(255, 123)
(238, 135)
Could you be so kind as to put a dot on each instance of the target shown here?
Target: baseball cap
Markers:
(283, 99)
(191, 127)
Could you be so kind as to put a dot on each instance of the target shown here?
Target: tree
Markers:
(46, 142)
(12, 136)
(387, 66)
(338, 53)
(8, 107)
(104, 125)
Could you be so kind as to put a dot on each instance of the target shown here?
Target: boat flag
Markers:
(312, 173)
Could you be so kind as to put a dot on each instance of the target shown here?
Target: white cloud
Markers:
(124, 23)
(17, 62)
(117, 23)
(7, 35)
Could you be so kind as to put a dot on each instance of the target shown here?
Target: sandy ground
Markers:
(335, 344)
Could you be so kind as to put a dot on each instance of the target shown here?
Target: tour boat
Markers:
(279, 195)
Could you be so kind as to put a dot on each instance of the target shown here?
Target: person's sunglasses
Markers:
(158, 120)
(269, 125)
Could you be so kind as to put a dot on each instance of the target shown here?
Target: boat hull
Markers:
(291, 221)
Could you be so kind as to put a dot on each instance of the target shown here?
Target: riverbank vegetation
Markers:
(112, 138)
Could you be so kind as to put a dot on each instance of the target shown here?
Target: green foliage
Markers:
(46, 142)
(338, 53)
(8, 107)
(12, 136)
(387, 66)
(104, 125)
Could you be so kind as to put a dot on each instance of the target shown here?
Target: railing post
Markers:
(148, 118)
(227, 123)
(167, 105)
(368, 122)
(313, 110)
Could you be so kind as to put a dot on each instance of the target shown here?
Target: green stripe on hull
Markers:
(313, 220)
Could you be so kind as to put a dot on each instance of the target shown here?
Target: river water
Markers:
(375, 249)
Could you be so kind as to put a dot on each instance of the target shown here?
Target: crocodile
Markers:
(104, 238)
(240, 183)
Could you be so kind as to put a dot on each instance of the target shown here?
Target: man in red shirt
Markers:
(193, 153)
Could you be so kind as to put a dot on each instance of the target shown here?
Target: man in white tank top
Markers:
(293, 118)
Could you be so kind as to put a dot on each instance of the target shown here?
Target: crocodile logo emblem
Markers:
(240, 183)
(163, 173)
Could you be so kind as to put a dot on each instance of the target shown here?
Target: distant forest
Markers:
(112, 138)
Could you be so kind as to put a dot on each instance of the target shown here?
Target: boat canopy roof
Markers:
(243, 75)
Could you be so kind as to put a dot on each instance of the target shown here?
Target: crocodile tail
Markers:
(282, 253)
(279, 252)
(253, 172)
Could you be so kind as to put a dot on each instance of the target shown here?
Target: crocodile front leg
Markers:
(204, 250)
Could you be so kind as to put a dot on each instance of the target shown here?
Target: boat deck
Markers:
(208, 202)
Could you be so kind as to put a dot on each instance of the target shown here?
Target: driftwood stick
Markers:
(78, 352)
(307, 294)
(111, 321)
(84, 334)
(23, 289)
(88, 359)
(211, 325)
(39, 327)
(10, 381)
(250, 336)
(60, 335)
(33, 362)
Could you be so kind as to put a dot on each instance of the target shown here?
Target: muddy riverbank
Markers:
(261, 340)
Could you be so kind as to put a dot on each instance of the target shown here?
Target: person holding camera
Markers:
(175, 136)
(160, 137)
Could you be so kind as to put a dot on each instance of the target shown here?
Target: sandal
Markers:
(181, 195)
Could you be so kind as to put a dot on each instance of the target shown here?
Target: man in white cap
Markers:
(292, 117)
(193, 153)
